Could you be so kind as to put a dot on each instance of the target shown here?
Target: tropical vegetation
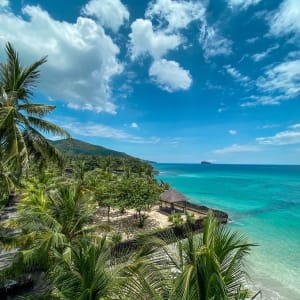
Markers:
(51, 247)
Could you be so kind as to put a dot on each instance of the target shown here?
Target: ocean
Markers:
(263, 202)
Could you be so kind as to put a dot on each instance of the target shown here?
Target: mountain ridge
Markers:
(77, 147)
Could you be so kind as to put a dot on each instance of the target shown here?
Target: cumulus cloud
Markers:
(243, 4)
(175, 15)
(144, 40)
(134, 125)
(109, 13)
(287, 137)
(286, 19)
(4, 3)
(170, 76)
(82, 59)
(213, 43)
(235, 148)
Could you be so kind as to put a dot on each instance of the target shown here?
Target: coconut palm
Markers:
(8, 181)
(84, 273)
(210, 266)
(202, 267)
(21, 121)
(50, 221)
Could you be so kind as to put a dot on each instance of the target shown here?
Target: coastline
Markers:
(255, 197)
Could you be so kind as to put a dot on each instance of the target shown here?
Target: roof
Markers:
(173, 196)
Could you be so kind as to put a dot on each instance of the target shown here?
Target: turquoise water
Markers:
(262, 202)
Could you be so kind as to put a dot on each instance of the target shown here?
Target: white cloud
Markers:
(243, 4)
(177, 14)
(110, 13)
(260, 56)
(236, 74)
(267, 126)
(286, 19)
(252, 40)
(283, 78)
(263, 100)
(232, 132)
(4, 3)
(144, 40)
(170, 76)
(221, 109)
(134, 125)
(55, 137)
(171, 16)
(235, 148)
(82, 59)
(212, 43)
(287, 137)
(103, 131)
(295, 126)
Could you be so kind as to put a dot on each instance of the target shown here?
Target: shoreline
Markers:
(263, 202)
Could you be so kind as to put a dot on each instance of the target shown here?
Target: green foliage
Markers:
(49, 220)
(51, 230)
(176, 219)
(83, 271)
(210, 265)
(116, 238)
(21, 121)
(140, 194)
(190, 218)
(8, 180)
(206, 266)
(77, 147)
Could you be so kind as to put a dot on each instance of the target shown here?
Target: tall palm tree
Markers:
(21, 121)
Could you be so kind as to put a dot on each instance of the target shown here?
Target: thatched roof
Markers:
(173, 196)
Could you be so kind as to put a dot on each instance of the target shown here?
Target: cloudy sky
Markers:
(168, 80)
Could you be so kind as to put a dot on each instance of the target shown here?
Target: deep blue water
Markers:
(263, 203)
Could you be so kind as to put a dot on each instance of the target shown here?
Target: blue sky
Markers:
(169, 81)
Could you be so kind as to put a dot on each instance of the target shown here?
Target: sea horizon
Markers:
(263, 202)
(226, 164)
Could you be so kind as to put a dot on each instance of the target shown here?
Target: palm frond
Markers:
(34, 109)
(48, 127)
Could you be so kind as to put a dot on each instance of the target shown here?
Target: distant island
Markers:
(205, 163)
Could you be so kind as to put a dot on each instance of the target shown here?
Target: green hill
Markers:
(77, 147)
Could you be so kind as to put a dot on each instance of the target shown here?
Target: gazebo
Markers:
(171, 197)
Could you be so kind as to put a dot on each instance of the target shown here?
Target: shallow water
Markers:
(264, 203)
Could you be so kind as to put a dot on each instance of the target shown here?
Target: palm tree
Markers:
(84, 273)
(202, 267)
(8, 181)
(50, 220)
(210, 266)
(21, 121)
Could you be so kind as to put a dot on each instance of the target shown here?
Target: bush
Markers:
(116, 238)
(190, 218)
(142, 221)
(176, 219)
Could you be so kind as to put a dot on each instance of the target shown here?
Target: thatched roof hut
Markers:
(172, 197)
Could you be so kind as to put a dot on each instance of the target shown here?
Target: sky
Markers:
(167, 80)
